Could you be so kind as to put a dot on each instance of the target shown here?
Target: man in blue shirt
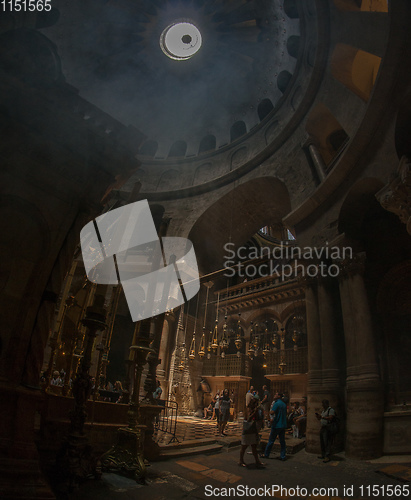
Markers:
(278, 426)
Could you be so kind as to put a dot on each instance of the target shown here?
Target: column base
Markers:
(126, 456)
(365, 411)
(147, 415)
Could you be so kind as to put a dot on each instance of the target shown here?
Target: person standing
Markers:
(265, 402)
(249, 436)
(326, 437)
(225, 403)
(249, 396)
(156, 396)
(278, 426)
(217, 408)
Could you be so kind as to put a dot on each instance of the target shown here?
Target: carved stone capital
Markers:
(350, 267)
(396, 196)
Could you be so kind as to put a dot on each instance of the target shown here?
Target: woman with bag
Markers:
(251, 427)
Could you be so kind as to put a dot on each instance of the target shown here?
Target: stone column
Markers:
(317, 160)
(166, 349)
(365, 405)
(314, 392)
(330, 354)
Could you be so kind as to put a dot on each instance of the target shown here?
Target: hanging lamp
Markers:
(214, 338)
(238, 341)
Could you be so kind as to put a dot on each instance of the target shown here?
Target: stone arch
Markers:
(266, 312)
(169, 180)
(246, 208)
(358, 201)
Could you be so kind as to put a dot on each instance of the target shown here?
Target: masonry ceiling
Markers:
(110, 52)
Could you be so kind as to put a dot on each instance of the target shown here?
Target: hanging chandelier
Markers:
(250, 351)
(214, 338)
(201, 350)
(224, 339)
(192, 353)
(238, 341)
(183, 354)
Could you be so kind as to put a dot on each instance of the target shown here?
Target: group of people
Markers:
(280, 418)
(220, 409)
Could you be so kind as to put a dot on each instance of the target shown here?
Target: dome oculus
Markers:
(180, 40)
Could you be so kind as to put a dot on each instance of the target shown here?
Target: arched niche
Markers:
(293, 45)
(169, 180)
(283, 80)
(264, 108)
(325, 131)
(291, 8)
(149, 148)
(179, 148)
(208, 143)
(355, 68)
(237, 130)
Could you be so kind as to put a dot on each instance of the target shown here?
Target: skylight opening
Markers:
(180, 40)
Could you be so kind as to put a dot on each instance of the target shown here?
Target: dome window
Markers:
(180, 40)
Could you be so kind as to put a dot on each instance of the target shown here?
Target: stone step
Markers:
(185, 452)
(293, 445)
(191, 443)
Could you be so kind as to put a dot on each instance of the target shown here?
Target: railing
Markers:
(255, 286)
(230, 365)
(296, 361)
(166, 421)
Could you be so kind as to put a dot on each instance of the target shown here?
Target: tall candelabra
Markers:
(127, 455)
(75, 460)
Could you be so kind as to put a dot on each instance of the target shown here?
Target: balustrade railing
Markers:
(228, 366)
(296, 361)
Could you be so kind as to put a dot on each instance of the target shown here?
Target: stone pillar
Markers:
(317, 160)
(330, 354)
(314, 392)
(166, 349)
(365, 405)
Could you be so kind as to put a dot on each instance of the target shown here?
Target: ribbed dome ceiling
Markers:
(111, 52)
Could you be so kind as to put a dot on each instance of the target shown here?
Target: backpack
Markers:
(260, 418)
(334, 425)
